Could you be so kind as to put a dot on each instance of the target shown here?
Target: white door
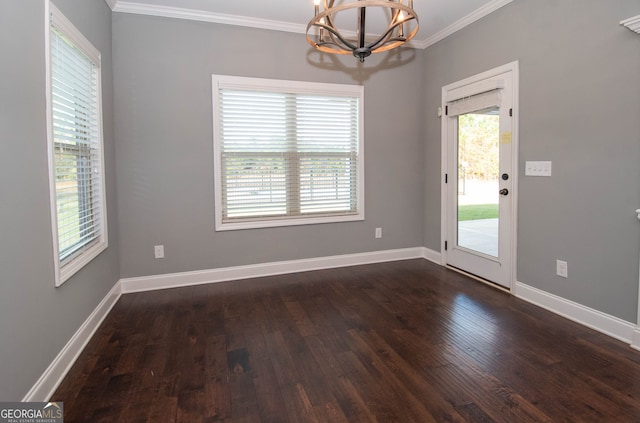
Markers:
(479, 161)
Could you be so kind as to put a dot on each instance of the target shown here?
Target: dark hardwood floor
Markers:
(399, 342)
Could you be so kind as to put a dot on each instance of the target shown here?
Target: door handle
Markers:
(504, 191)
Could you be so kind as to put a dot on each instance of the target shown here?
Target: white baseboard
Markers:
(635, 340)
(594, 319)
(432, 255)
(57, 370)
(175, 280)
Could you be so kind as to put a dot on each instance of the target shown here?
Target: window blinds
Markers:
(287, 154)
(77, 146)
(475, 103)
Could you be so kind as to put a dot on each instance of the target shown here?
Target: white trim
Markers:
(456, 87)
(48, 95)
(276, 222)
(636, 333)
(62, 23)
(57, 370)
(206, 16)
(591, 318)
(220, 18)
(62, 272)
(431, 255)
(479, 279)
(219, 82)
(453, 91)
(49, 381)
(174, 280)
(635, 338)
(472, 17)
(632, 23)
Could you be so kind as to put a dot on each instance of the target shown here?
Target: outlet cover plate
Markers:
(158, 250)
(562, 269)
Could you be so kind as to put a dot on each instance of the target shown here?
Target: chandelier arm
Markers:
(384, 38)
(340, 42)
(333, 32)
(391, 44)
(338, 39)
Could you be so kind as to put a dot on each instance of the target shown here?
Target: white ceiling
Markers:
(438, 18)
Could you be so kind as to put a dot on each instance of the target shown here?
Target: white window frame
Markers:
(76, 261)
(283, 86)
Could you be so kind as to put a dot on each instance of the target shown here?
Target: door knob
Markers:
(504, 191)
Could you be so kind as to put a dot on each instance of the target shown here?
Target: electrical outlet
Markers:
(562, 269)
(158, 250)
(378, 232)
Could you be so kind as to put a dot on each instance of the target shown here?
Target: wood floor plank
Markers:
(270, 402)
(353, 405)
(404, 342)
(403, 384)
(380, 399)
(298, 405)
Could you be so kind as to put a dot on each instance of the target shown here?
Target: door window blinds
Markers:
(475, 103)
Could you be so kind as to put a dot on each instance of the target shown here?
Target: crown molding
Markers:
(111, 3)
(205, 16)
(476, 15)
(632, 23)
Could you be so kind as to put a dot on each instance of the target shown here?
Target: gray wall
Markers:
(37, 319)
(164, 140)
(580, 108)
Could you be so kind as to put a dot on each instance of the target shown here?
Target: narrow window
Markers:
(286, 153)
(76, 169)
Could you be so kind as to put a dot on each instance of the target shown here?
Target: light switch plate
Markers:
(537, 168)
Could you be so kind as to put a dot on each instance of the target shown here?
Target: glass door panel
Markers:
(478, 181)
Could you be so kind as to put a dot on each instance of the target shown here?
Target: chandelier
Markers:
(401, 21)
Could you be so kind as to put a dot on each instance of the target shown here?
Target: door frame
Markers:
(444, 203)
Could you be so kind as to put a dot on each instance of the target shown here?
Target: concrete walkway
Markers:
(479, 235)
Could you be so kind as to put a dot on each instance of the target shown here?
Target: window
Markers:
(76, 170)
(286, 153)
